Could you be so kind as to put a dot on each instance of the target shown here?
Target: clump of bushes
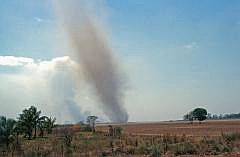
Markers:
(184, 148)
(114, 131)
(86, 128)
(231, 136)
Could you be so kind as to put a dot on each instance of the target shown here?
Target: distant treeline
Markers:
(223, 116)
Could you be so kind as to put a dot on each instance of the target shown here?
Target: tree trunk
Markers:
(30, 134)
(41, 133)
(93, 128)
(7, 143)
(17, 138)
(35, 132)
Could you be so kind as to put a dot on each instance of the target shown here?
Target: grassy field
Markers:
(211, 138)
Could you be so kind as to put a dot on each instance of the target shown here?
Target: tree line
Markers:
(201, 114)
(29, 123)
(223, 116)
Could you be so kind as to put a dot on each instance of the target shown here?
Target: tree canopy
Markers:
(199, 114)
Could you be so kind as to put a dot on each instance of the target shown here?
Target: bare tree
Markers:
(91, 121)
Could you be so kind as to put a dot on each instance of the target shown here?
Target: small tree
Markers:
(18, 129)
(200, 114)
(6, 130)
(50, 124)
(110, 130)
(41, 125)
(114, 131)
(91, 121)
(188, 117)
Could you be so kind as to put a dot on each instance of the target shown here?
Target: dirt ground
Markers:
(206, 128)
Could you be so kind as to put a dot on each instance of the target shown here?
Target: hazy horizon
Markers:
(175, 56)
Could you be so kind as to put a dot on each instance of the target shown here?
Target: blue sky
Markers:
(178, 54)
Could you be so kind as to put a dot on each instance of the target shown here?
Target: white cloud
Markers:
(192, 45)
(15, 61)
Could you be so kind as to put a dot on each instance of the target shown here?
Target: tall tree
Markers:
(200, 114)
(29, 120)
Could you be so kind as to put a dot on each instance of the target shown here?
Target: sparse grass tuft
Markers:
(156, 150)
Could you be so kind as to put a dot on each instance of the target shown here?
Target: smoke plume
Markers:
(91, 50)
(50, 85)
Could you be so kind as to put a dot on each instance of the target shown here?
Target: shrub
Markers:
(219, 148)
(185, 148)
(68, 138)
(156, 150)
(143, 150)
(114, 131)
(231, 136)
(86, 128)
(131, 150)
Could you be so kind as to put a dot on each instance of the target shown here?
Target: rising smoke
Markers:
(91, 50)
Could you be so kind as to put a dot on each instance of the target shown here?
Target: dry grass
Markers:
(212, 138)
(211, 128)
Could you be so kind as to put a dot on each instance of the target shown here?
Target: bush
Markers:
(156, 150)
(115, 131)
(184, 148)
(231, 136)
(219, 148)
(68, 137)
(86, 128)
(143, 150)
(131, 150)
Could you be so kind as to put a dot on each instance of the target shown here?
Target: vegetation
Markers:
(29, 120)
(114, 131)
(188, 117)
(6, 130)
(223, 116)
(199, 114)
(28, 124)
(79, 140)
(91, 121)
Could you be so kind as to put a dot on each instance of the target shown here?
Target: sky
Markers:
(176, 55)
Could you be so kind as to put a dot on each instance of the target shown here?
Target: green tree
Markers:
(46, 124)
(29, 120)
(200, 114)
(6, 130)
(50, 124)
(18, 130)
(41, 125)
